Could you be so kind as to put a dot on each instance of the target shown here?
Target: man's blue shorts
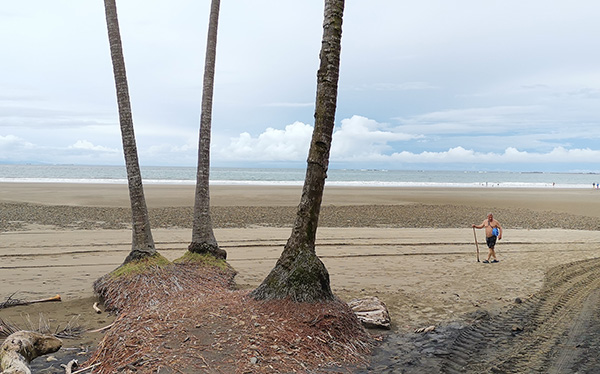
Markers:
(491, 241)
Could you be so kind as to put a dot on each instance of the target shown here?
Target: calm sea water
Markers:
(292, 177)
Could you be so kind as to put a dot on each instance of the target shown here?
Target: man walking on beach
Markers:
(493, 230)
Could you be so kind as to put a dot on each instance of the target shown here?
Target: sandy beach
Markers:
(413, 248)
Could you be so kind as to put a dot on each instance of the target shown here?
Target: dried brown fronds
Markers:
(71, 331)
(146, 289)
(7, 328)
(187, 317)
(12, 301)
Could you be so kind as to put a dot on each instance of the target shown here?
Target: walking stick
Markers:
(476, 244)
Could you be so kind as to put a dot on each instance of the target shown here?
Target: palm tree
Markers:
(299, 274)
(142, 242)
(203, 237)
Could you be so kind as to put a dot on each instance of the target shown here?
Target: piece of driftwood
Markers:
(15, 302)
(70, 366)
(101, 328)
(20, 348)
(371, 312)
(96, 309)
(425, 329)
(86, 368)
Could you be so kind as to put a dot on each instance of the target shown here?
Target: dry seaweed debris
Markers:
(71, 330)
(12, 301)
(7, 328)
(187, 318)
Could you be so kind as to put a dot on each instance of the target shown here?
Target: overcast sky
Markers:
(464, 85)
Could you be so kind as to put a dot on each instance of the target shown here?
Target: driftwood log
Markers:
(96, 309)
(15, 302)
(73, 364)
(371, 311)
(20, 348)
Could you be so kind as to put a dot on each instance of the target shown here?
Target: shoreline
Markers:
(571, 201)
(299, 183)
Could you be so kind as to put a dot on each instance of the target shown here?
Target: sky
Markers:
(424, 85)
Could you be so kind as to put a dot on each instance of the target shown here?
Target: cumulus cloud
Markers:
(359, 136)
(16, 149)
(363, 141)
(89, 146)
(289, 144)
(356, 137)
(12, 142)
(460, 155)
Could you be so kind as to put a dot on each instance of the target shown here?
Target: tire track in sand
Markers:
(555, 331)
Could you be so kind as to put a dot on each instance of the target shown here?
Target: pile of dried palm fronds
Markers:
(189, 316)
(150, 284)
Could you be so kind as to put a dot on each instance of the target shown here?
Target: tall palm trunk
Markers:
(299, 274)
(203, 237)
(142, 242)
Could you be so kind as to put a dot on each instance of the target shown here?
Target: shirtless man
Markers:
(490, 224)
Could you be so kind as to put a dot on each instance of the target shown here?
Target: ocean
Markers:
(295, 177)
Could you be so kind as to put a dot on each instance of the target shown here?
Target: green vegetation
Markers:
(203, 259)
(139, 266)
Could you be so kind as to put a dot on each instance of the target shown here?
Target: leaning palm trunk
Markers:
(299, 274)
(142, 242)
(203, 238)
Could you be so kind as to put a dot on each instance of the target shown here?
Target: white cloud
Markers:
(14, 148)
(89, 146)
(363, 141)
(13, 141)
(359, 137)
(510, 155)
(290, 144)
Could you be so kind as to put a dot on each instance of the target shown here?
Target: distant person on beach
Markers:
(493, 230)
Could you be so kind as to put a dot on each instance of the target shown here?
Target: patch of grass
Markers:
(205, 259)
(139, 266)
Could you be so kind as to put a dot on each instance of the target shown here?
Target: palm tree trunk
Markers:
(203, 238)
(142, 242)
(299, 274)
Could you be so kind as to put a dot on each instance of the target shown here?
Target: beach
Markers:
(413, 248)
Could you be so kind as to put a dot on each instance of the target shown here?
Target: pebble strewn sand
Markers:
(20, 216)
